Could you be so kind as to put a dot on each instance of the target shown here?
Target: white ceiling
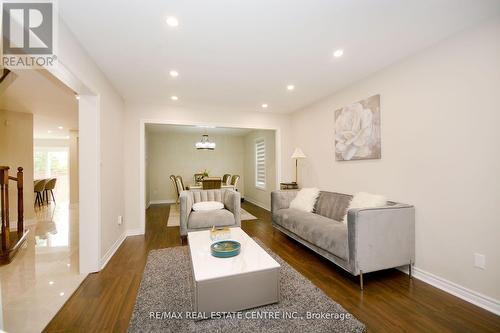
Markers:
(186, 129)
(50, 101)
(237, 55)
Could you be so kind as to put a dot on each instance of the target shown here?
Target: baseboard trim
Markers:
(457, 290)
(158, 202)
(109, 254)
(257, 203)
(134, 232)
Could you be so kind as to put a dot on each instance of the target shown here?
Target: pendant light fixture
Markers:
(205, 143)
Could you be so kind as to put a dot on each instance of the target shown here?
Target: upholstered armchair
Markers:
(191, 220)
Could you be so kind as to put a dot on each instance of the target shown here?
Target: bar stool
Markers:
(39, 188)
(49, 186)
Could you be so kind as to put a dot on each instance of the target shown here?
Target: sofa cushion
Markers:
(206, 219)
(208, 195)
(208, 205)
(332, 205)
(325, 233)
(305, 199)
(365, 200)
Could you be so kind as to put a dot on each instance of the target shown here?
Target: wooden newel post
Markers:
(20, 202)
(11, 246)
(4, 203)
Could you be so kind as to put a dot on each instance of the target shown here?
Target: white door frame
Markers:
(142, 154)
(89, 168)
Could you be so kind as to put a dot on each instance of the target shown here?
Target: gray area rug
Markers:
(166, 291)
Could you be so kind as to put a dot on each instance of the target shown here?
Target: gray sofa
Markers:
(190, 220)
(373, 239)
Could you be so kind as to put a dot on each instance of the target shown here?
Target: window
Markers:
(53, 162)
(50, 162)
(260, 163)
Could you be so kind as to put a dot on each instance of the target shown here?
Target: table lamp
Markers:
(297, 154)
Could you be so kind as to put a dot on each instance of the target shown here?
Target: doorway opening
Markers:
(41, 118)
(172, 148)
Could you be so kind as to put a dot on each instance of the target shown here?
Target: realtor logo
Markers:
(28, 34)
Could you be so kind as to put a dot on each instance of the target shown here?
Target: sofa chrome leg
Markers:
(409, 270)
(361, 280)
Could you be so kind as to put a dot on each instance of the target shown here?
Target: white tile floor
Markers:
(44, 273)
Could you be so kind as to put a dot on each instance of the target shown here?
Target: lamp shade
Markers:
(298, 154)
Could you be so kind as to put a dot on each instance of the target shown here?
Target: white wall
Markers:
(16, 150)
(258, 196)
(73, 167)
(109, 132)
(174, 153)
(440, 116)
(167, 114)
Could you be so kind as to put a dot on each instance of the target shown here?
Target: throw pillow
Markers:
(305, 199)
(207, 206)
(365, 200)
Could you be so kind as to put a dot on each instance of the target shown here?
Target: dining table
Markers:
(200, 187)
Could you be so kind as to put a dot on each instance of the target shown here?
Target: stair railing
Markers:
(4, 204)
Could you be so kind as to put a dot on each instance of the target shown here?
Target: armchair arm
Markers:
(381, 238)
(232, 202)
(281, 199)
(186, 205)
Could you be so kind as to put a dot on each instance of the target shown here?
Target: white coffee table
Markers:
(245, 281)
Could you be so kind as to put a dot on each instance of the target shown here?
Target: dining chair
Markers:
(38, 188)
(176, 188)
(49, 187)
(180, 184)
(226, 178)
(234, 180)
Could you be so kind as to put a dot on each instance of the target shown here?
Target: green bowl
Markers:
(225, 249)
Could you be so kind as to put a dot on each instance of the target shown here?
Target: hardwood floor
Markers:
(390, 301)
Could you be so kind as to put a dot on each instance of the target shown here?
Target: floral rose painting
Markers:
(357, 130)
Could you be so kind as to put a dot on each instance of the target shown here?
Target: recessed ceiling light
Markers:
(172, 21)
(290, 87)
(265, 106)
(77, 97)
(339, 53)
(174, 73)
(51, 282)
(49, 131)
(61, 294)
(174, 98)
(60, 127)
